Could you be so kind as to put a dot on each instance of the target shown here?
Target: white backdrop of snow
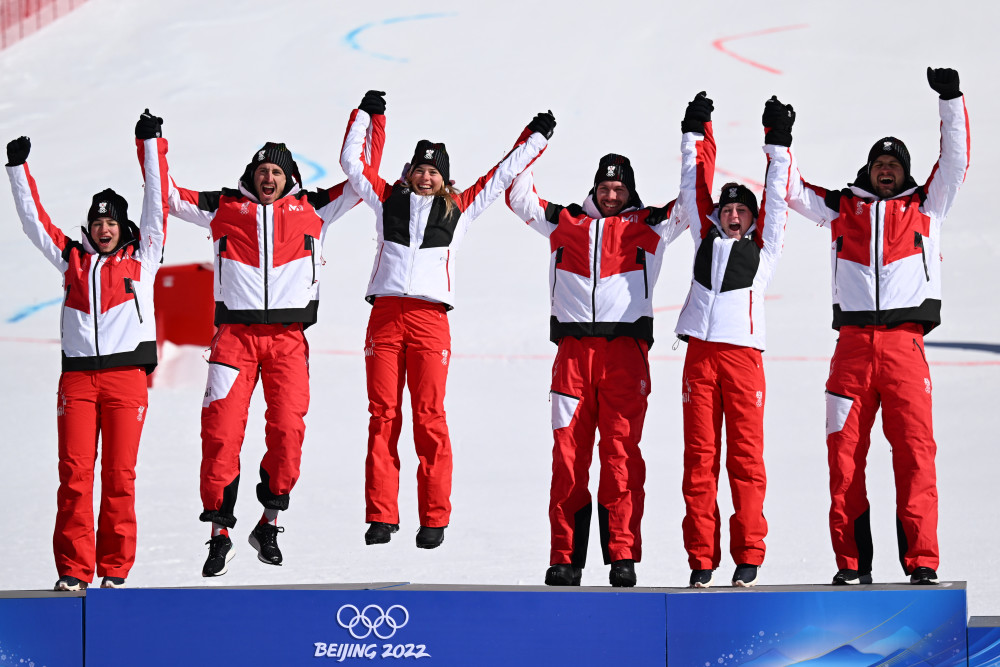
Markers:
(227, 76)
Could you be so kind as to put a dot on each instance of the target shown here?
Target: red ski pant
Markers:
(408, 342)
(875, 366)
(598, 384)
(109, 405)
(723, 382)
(278, 355)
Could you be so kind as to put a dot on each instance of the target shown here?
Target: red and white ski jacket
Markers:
(418, 239)
(107, 315)
(601, 270)
(267, 257)
(886, 252)
(726, 301)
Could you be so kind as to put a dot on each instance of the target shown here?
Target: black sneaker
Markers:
(701, 578)
(622, 573)
(220, 552)
(745, 575)
(113, 582)
(380, 533)
(851, 577)
(264, 538)
(923, 576)
(563, 575)
(68, 583)
(430, 538)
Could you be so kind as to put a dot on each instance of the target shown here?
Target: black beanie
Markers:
(277, 154)
(435, 155)
(108, 204)
(735, 193)
(614, 167)
(894, 147)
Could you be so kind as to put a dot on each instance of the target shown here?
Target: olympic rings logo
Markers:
(372, 618)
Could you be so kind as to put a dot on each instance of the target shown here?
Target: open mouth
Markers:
(886, 181)
(734, 227)
(104, 240)
(267, 189)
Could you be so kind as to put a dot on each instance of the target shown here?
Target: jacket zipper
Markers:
(378, 263)
(130, 289)
(877, 255)
(751, 312)
(447, 261)
(311, 247)
(918, 242)
(62, 317)
(640, 258)
(593, 291)
(95, 309)
(836, 261)
(555, 269)
(267, 319)
(222, 249)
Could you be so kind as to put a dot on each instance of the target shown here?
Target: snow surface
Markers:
(227, 76)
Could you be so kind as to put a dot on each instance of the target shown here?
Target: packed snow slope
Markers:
(227, 76)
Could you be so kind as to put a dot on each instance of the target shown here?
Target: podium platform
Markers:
(383, 623)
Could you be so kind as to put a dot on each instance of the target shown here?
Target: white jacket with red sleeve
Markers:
(418, 237)
(601, 270)
(267, 257)
(107, 314)
(886, 253)
(725, 303)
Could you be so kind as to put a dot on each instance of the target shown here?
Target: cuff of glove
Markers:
(693, 126)
(951, 96)
(778, 138)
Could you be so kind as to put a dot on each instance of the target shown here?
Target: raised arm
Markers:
(152, 151)
(697, 166)
(362, 150)
(953, 163)
(529, 145)
(34, 220)
(777, 120)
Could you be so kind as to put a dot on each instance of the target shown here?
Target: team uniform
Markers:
(267, 266)
(602, 272)
(412, 286)
(722, 321)
(886, 284)
(108, 335)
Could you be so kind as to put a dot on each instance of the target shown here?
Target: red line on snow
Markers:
(768, 31)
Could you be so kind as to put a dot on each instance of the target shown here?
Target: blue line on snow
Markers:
(318, 170)
(351, 37)
(31, 310)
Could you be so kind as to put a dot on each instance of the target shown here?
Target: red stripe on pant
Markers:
(242, 353)
(598, 384)
(723, 382)
(109, 405)
(408, 342)
(875, 366)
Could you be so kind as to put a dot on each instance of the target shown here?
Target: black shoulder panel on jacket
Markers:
(317, 199)
(744, 260)
(703, 260)
(552, 212)
(441, 224)
(832, 199)
(209, 201)
(396, 215)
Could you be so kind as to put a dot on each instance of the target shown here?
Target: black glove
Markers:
(657, 214)
(944, 81)
(777, 119)
(17, 151)
(373, 103)
(544, 124)
(698, 112)
(148, 126)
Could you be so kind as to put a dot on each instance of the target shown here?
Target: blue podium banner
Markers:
(41, 630)
(434, 626)
(847, 627)
(984, 641)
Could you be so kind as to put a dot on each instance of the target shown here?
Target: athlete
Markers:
(420, 221)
